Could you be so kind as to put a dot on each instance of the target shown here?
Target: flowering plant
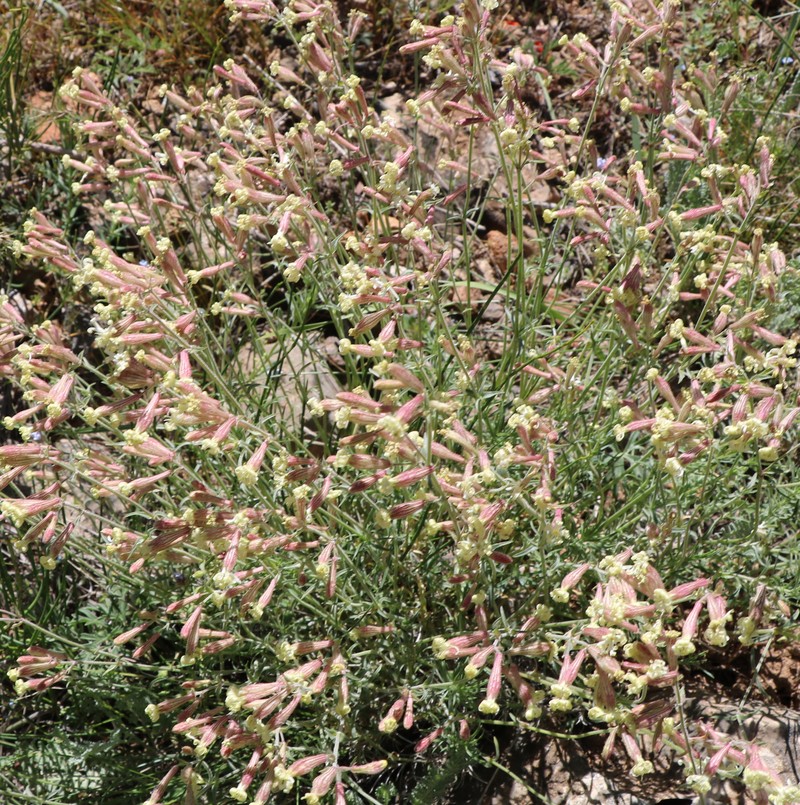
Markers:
(348, 522)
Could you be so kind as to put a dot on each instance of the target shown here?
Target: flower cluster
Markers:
(430, 487)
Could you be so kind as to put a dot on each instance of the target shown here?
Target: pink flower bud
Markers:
(716, 760)
(690, 624)
(7, 477)
(765, 166)
(574, 576)
(310, 646)
(423, 745)
(371, 630)
(263, 793)
(189, 631)
(570, 667)
(683, 591)
(21, 455)
(131, 633)
(374, 767)
(604, 696)
(403, 510)
(364, 461)
(58, 394)
(717, 607)
(408, 717)
(495, 678)
(409, 477)
(480, 657)
(390, 720)
(160, 789)
(403, 375)
(407, 412)
(306, 764)
(284, 715)
(323, 781)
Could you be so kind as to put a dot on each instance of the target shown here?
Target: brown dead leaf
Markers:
(498, 246)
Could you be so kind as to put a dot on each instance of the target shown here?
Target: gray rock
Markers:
(287, 374)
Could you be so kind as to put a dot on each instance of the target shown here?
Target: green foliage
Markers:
(311, 482)
(12, 74)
